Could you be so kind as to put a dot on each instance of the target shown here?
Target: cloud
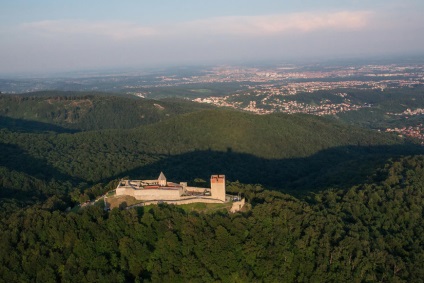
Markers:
(114, 30)
(284, 23)
(232, 25)
(75, 44)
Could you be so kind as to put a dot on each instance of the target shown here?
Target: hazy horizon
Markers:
(51, 36)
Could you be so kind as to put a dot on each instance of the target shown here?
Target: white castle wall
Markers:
(185, 201)
(150, 194)
(124, 191)
(172, 194)
(196, 189)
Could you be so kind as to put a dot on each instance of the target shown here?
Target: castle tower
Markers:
(218, 187)
(162, 179)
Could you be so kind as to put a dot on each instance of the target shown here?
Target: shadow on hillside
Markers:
(27, 126)
(339, 167)
(16, 159)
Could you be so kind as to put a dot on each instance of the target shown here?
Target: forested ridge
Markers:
(329, 202)
(371, 232)
(90, 111)
(280, 151)
(290, 153)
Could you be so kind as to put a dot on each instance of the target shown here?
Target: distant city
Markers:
(283, 82)
(323, 90)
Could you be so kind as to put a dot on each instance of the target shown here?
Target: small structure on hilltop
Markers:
(160, 190)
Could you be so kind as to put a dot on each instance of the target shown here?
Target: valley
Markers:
(212, 141)
(325, 192)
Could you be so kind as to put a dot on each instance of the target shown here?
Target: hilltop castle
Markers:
(160, 190)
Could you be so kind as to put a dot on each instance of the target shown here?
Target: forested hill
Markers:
(368, 233)
(88, 111)
(291, 153)
(359, 218)
(267, 136)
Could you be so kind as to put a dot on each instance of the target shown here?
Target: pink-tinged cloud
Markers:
(114, 30)
(284, 23)
(234, 25)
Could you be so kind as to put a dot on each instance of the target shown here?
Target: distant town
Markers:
(316, 89)
(284, 83)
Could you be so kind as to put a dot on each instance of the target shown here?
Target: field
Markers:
(125, 201)
(121, 201)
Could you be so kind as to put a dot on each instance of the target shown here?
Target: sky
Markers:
(73, 35)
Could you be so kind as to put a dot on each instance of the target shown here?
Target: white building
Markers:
(160, 190)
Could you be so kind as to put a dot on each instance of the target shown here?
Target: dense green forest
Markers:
(283, 152)
(368, 233)
(90, 111)
(291, 153)
(329, 202)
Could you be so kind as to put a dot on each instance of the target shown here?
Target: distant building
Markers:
(160, 190)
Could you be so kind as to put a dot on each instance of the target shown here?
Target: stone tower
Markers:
(218, 187)
(162, 179)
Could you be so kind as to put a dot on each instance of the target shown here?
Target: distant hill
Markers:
(362, 221)
(85, 111)
(267, 136)
(273, 149)
(41, 143)
(293, 153)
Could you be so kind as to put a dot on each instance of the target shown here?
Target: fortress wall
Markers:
(156, 194)
(185, 201)
(196, 189)
(172, 194)
(124, 191)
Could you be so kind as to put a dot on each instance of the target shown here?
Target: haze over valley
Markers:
(291, 135)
